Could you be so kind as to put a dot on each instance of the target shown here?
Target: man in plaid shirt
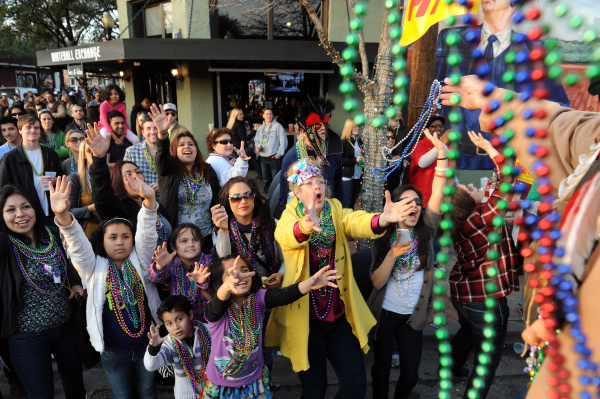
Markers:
(144, 153)
(469, 275)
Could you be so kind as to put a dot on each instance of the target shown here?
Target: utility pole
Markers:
(422, 72)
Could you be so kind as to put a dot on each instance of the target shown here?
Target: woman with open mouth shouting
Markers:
(190, 185)
(331, 323)
(402, 275)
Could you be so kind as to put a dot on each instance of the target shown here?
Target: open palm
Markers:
(98, 144)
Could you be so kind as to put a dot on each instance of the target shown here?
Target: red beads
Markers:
(533, 13)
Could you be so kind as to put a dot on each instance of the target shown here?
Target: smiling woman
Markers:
(221, 146)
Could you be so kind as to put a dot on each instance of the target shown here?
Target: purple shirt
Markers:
(222, 348)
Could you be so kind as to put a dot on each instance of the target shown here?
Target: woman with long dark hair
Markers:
(50, 135)
(190, 185)
(402, 276)
(36, 283)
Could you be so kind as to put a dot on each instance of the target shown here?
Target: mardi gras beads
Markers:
(191, 187)
(125, 290)
(248, 252)
(186, 355)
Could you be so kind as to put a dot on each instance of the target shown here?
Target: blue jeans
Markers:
(127, 375)
(270, 167)
(351, 192)
(30, 356)
(393, 328)
(335, 341)
(470, 336)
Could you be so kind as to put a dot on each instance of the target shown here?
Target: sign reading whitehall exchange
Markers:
(86, 53)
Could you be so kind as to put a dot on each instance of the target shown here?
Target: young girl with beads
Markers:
(121, 302)
(330, 323)
(172, 268)
(235, 315)
(402, 277)
(186, 347)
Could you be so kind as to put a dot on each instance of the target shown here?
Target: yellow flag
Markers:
(420, 15)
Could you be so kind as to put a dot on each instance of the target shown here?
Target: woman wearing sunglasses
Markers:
(221, 147)
(81, 205)
(402, 277)
(245, 227)
(51, 136)
(73, 139)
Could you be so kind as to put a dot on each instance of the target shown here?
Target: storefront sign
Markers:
(107, 51)
(87, 53)
(75, 71)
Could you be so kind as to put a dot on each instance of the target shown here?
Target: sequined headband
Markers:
(303, 171)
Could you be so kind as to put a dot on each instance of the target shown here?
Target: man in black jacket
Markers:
(31, 166)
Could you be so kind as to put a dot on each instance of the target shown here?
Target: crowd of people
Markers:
(185, 268)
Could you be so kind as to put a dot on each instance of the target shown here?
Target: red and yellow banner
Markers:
(420, 15)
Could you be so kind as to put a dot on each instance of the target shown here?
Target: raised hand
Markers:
(159, 117)
(310, 222)
(59, 196)
(480, 141)
(162, 257)
(199, 275)
(235, 276)
(139, 186)
(154, 336)
(470, 90)
(220, 218)
(324, 277)
(394, 212)
(98, 145)
(435, 140)
(242, 152)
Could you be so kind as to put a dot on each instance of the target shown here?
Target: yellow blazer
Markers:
(288, 326)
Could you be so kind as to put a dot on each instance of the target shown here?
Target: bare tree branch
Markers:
(361, 45)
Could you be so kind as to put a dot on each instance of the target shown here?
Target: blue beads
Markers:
(530, 132)
(522, 57)
(477, 54)
(566, 285)
(555, 234)
(525, 95)
(522, 76)
(537, 234)
(531, 219)
(482, 70)
(560, 252)
(528, 113)
(473, 36)
(519, 37)
(518, 17)
(499, 121)
(525, 204)
(467, 18)
(488, 89)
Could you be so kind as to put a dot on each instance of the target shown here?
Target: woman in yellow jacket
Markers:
(329, 323)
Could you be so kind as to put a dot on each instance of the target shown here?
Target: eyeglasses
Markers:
(17, 114)
(309, 184)
(238, 197)
(76, 140)
(417, 201)
(437, 127)
(225, 142)
(171, 113)
(390, 137)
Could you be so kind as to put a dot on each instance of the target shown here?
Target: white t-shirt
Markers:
(35, 157)
(403, 289)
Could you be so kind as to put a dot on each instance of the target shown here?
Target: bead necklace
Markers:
(125, 290)
(248, 252)
(184, 286)
(52, 141)
(216, 154)
(31, 163)
(302, 152)
(51, 258)
(186, 355)
(160, 228)
(73, 168)
(323, 243)
(245, 324)
(265, 137)
(404, 262)
(149, 159)
(191, 187)
(433, 101)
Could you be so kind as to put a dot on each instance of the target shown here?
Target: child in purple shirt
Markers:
(236, 368)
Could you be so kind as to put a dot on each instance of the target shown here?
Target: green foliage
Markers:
(31, 25)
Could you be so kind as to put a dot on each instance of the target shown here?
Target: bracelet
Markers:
(442, 176)
(306, 233)
(440, 169)
(442, 159)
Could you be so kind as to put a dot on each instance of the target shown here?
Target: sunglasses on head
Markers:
(76, 140)
(417, 201)
(225, 142)
(238, 197)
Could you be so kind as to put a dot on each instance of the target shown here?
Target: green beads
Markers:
(360, 119)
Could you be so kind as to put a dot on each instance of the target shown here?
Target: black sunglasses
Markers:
(417, 201)
(238, 197)
(171, 113)
(18, 114)
(390, 137)
(77, 140)
(225, 142)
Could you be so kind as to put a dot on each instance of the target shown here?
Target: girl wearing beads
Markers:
(402, 276)
(186, 347)
(72, 139)
(249, 234)
(37, 316)
(190, 185)
(82, 206)
(50, 135)
(331, 323)
(112, 197)
(121, 303)
(475, 239)
(235, 316)
(172, 268)
(221, 145)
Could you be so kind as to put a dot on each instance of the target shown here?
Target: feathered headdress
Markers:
(313, 116)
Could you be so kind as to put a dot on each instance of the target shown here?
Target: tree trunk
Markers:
(423, 72)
